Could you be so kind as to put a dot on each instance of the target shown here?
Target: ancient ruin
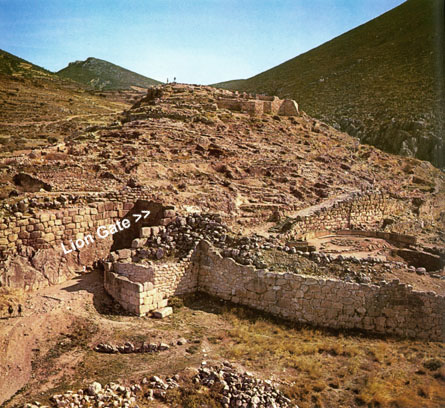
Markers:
(142, 285)
(248, 201)
(257, 105)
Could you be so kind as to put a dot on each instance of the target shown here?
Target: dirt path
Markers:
(47, 313)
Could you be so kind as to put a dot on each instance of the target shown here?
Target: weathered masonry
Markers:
(31, 255)
(258, 105)
(394, 308)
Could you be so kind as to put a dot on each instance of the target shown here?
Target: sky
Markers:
(196, 41)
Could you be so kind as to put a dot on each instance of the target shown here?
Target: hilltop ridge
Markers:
(15, 66)
(40, 108)
(381, 82)
(103, 75)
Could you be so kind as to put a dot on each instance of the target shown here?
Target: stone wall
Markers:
(135, 297)
(31, 253)
(393, 308)
(230, 104)
(141, 289)
(259, 105)
(395, 238)
(346, 212)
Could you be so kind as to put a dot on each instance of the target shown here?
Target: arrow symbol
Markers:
(139, 216)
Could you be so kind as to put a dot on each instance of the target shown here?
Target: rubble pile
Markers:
(111, 395)
(129, 347)
(180, 238)
(235, 388)
(241, 389)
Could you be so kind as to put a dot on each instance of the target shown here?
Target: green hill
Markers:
(382, 82)
(38, 108)
(104, 75)
(15, 66)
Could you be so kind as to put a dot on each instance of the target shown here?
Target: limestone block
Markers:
(144, 309)
(146, 232)
(163, 303)
(151, 292)
(49, 237)
(169, 213)
(124, 253)
(163, 312)
(44, 217)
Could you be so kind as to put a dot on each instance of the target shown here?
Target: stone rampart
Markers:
(259, 105)
(31, 253)
(345, 213)
(393, 308)
(141, 289)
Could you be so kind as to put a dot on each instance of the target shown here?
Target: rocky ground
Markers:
(182, 150)
(56, 349)
(41, 111)
(353, 259)
(239, 178)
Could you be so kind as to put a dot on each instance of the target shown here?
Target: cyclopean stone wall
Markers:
(31, 254)
(136, 297)
(393, 308)
(141, 289)
(259, 105)
(347, 211)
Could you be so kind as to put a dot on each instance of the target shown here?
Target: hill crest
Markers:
(381, 82)
(104, 75)
(18, 67)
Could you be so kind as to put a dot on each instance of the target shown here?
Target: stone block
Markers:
(163, 303)
(144, 309)
(169, 213)
(124, 253)
(49, 237)
(44, 217)
(148, 286)
(163, 312)
(138, 242)
(146, 232)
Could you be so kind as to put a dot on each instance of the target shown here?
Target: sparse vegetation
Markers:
(362, 370)
(380, 82)
(193, 397)
(315, 367)
(103, 75)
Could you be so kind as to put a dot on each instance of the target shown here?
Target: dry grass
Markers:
(328, 369)
(316, 368)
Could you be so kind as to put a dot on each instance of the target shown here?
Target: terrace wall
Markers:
(345, 213)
